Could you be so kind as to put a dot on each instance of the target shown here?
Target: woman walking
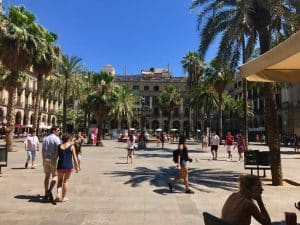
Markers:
(130, 147)
(66, 156)
(240, 144)
(183, 157)
(78, 140)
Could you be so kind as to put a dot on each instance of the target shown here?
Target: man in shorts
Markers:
(214, 145)
(31, 146)
(49, 153)
(228, 144)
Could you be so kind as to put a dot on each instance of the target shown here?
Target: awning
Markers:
(280, 64)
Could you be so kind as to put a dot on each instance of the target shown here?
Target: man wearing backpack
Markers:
(182, 157)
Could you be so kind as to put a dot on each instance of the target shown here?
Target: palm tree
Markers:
(69, 82)
(168, 99)
(193, 65)
(45, 60)
(17, 45)
(126, 102)
(233, 24)
(264, 17)
(219, 78)
(102, 99)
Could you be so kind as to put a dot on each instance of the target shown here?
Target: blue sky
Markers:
(131, 34)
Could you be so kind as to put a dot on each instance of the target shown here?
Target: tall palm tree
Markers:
(168, 99)
(102, 99)
(46, 59)
(219, 78)
(69, 82)
(126, 102)
(232, 22)
(17, 44)
(265, 18)
(193, 65)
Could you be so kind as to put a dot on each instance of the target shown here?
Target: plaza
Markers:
(109, 191)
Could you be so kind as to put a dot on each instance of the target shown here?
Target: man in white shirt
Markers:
(214, 145)
(31, 146)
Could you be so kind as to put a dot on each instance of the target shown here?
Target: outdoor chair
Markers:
(212, 220)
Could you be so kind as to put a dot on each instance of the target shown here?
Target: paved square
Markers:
(110, 191)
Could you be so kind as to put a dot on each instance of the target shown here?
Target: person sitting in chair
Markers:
(240, 207)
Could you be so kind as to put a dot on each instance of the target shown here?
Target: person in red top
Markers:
(228, 144)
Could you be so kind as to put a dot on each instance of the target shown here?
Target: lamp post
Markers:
(143, 113)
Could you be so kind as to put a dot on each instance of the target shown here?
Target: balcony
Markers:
(19, 104)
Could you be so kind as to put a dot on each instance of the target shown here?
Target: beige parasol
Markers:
(279, 64)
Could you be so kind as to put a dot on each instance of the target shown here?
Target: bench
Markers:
(3, 158)
(256, 160)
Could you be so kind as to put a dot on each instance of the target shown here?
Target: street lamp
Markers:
(143, 113)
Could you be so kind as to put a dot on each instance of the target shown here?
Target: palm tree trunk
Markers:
(99, 134)
(220, 117)
(169, 120)
(271, 117)
(36, 113)
(245, 90)
(10, 116)
(64, 120)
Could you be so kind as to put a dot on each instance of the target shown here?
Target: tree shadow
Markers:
(34, 199)
(209, 178)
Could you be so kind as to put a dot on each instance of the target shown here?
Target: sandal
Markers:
(189, 191)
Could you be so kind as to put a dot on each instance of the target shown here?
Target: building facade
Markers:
(148, 85)
(26, 94)
(288, 105)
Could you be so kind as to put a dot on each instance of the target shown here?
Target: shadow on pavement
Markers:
(209, 178)
(34, 199)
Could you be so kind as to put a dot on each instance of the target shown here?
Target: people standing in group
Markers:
(204, 141)
(31, 146)
(78, 141)
(240, 206)
(228, 144)
(130, 147)
(66, 155)
(241, 147)
(49, 154)
(214, 145)
(183, 172)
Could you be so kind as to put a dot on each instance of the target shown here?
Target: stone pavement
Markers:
(109, 191)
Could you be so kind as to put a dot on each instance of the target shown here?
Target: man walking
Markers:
(49, 153)
(214, 142)
(31, 146)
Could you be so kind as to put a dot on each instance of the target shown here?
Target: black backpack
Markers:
(175, 156)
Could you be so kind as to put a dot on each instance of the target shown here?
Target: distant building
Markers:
(288, 104)
(148, 84)
(26, 94)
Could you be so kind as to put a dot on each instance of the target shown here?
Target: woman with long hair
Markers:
(66, 157)
(183, 157)
(240, 206)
